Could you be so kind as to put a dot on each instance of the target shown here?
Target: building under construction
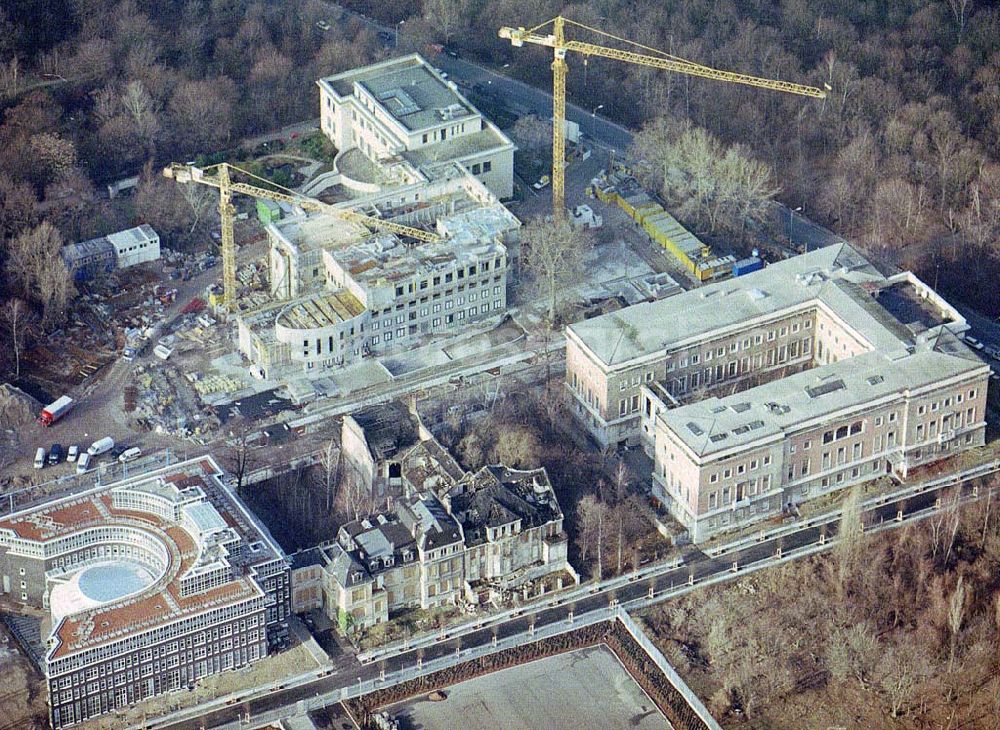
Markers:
(340, 292)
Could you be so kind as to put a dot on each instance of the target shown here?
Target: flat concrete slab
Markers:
(588, 688)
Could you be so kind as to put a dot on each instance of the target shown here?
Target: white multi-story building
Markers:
(403, 115)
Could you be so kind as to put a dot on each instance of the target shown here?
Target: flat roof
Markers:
(163, 601)
(459, 147)
(715, 425)
(384, 259)
(407, 88)
(318, 231)
(583, 688)
(823, 276)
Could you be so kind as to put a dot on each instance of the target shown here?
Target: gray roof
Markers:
(430, 522)
(307, 558)
(346, 570)
(407, 88)
(648, 328)
(487, 139)
(769, 411)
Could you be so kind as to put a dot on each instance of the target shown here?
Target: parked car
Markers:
(55, 454)
(130, 454)
(973, 342)
(40, 458)
(72, 453)
(83, 463)
(101, 446)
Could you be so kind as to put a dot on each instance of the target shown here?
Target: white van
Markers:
(40, 458)
(73, 453)
(83, 463)
(130, 454)
(101, 446)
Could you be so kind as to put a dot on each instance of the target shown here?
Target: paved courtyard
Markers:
(588, 688)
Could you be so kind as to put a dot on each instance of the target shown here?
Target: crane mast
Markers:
(556, 40)
(222, 180)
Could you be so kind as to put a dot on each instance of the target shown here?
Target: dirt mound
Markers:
(17, 408)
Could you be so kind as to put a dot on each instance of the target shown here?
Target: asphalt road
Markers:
(648, 586)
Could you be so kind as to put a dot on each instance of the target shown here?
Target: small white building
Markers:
(135, 246)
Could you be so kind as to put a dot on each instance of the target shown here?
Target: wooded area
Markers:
(901, 157)
(900, 625)
(93, 91)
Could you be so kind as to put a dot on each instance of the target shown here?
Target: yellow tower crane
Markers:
(557, 41)
(220, 177)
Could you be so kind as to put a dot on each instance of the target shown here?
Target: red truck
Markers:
(54, 411)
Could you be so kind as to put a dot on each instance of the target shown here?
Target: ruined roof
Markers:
(496, 496)
(428, 467)
(389, 428)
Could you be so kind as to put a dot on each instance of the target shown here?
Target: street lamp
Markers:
(396, 41)
(791, 212)
(593, 118)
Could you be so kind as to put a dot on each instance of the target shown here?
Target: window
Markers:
(767, 460)
(487, 166)
(727, 473)
(713, 478)
(878, 421)
(807, 444)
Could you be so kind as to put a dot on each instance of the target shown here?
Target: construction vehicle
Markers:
(220, 176)
(55, 410)
(560, 45)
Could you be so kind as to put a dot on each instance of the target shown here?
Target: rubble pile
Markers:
(17, 408)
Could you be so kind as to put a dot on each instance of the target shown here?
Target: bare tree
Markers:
(447, 15)
(901, 669)
(853, 653)
(239, 457)
(850, 538)
(20, 322)
(517, 447)
(956, 614)
(553, 252)
(354, 496)
(36, 265)
(329, 470)
(532, 133)
(960, 10)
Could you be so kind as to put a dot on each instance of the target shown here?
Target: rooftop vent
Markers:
(695, 429)
(875, 380)
(740, 407)
(754, 425)
(719, 409)
(717, 437)
(815, 391)
(756, 294)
